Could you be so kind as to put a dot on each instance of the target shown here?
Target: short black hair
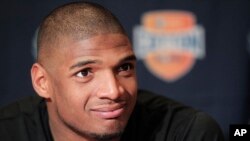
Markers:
(77, 20)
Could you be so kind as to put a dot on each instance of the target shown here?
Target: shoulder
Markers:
(202, 127)
(24, 106)
(171, 119)
(165, 106)
(19, 120)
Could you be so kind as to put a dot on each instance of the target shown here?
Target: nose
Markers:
(110, 87)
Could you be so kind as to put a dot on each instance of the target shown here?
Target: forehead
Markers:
(103, 42)
(104, 46)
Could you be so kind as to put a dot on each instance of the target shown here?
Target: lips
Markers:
(109, 111)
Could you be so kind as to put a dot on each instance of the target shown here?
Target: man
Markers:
(85, 74)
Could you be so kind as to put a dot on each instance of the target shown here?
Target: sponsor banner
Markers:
(169, 42)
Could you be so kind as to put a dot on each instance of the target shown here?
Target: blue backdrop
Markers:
(217, 83)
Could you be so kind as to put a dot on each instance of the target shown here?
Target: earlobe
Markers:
(40, 80)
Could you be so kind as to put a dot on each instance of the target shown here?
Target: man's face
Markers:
(93, 85)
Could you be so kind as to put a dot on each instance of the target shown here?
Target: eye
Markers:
(125, 67)
(84, 73)
(126, 70)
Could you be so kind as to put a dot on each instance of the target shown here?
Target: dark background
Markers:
(217, 84)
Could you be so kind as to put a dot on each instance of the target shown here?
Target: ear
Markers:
(40, 80)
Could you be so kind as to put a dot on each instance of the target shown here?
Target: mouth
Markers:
(109, 111)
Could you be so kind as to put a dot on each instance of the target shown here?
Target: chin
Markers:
(110, 130)
(112, 126)
(106, 136)
(102, 131)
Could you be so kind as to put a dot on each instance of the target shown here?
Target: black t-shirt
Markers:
(155, 118)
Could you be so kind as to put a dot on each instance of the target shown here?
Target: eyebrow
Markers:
(83, 63)
(86, 62)
(128, 58)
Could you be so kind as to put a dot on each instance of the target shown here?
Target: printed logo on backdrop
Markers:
(169, 42)
(34, 44)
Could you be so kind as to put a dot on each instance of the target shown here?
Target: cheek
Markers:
(70, 96)
(130, 85)
(68, 100)
(71, 102)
